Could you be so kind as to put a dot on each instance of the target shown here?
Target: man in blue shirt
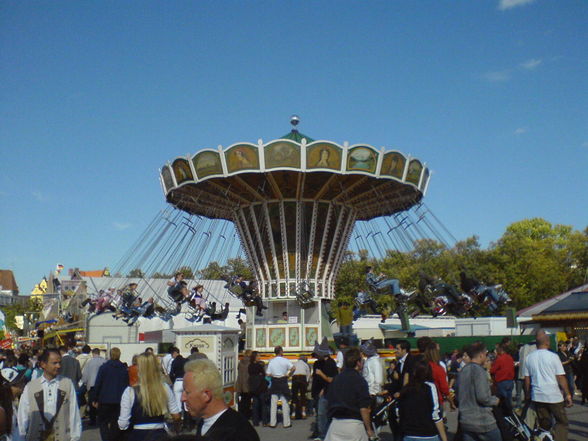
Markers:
(349, 402)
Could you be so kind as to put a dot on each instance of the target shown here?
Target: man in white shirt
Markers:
(89, 380)
(372, 368)
(48, 405)
(279, 368)
(166, 361)
(544, 377)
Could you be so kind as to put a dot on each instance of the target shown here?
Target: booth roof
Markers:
(541, 307)
(575, 302)
(206, 328)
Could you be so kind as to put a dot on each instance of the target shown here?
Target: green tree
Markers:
(239, 266)
(186, 271)
(213, 271)
(532, 259)
(11, 311)
(136, 273)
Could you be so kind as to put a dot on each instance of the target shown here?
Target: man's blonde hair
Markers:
(205, 375)
(115, 354)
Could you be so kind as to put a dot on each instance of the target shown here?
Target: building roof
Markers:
(540, 307)
(7, 281)
(97, 273)
(575, 302)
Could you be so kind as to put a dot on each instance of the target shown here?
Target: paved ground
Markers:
(578, 417)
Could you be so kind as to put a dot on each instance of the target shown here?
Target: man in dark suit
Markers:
(405, 364)
(70, 366)
(203, 397)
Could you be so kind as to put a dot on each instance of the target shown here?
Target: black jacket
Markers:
(231, 426)
(111, 382)
(176, 369)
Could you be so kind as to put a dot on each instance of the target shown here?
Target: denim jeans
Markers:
(346, 329)
(504, 391)
(322, 419)
(493, 435)
(394, 285)
(421, 438)
(571, 385)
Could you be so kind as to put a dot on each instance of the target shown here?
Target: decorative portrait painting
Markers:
(323, 155)
(242, 157)
(207, 163)
(362, 159)
(282, 154)
(414, 172)
(168, 182)
(182, 171)
(393, 165)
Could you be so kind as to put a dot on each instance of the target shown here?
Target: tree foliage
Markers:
(136, 273)
(533, 260)
(32, 304)
(234, 267)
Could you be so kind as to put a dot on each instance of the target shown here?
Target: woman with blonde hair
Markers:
(146, 405)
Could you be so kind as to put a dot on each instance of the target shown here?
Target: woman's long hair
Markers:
(6, 404)
(432, 353)
(422, 373)
(152, 393)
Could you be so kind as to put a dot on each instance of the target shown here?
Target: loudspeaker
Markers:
(511, 317)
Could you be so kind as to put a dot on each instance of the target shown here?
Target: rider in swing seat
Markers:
(379, 283)
(471, 284)
(177, 290)
(249, 295)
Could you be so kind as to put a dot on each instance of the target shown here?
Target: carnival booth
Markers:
(219, 344)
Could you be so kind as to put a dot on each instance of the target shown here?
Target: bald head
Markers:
(542, 339)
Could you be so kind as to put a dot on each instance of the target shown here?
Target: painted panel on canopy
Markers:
(425, 179)
(282, 154)
(362, 159)
(168, 182)
(277, 337)
(414, 171)
(207, 163)
(260, 339)
(182, 171)
(323, 155)
(294, 336)
(242, 157)
(393, 165)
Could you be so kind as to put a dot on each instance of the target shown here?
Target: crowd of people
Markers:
(45, 395)
(345, 394)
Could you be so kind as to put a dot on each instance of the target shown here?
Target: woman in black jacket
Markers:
(418, 404)
(258, 388)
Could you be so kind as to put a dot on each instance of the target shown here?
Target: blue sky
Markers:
(96, 96)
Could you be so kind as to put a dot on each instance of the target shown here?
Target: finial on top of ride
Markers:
(294, 120)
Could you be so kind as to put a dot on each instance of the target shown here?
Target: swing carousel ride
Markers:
(291, 208)
(295, 203)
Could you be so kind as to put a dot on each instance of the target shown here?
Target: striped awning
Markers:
(559, 317)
